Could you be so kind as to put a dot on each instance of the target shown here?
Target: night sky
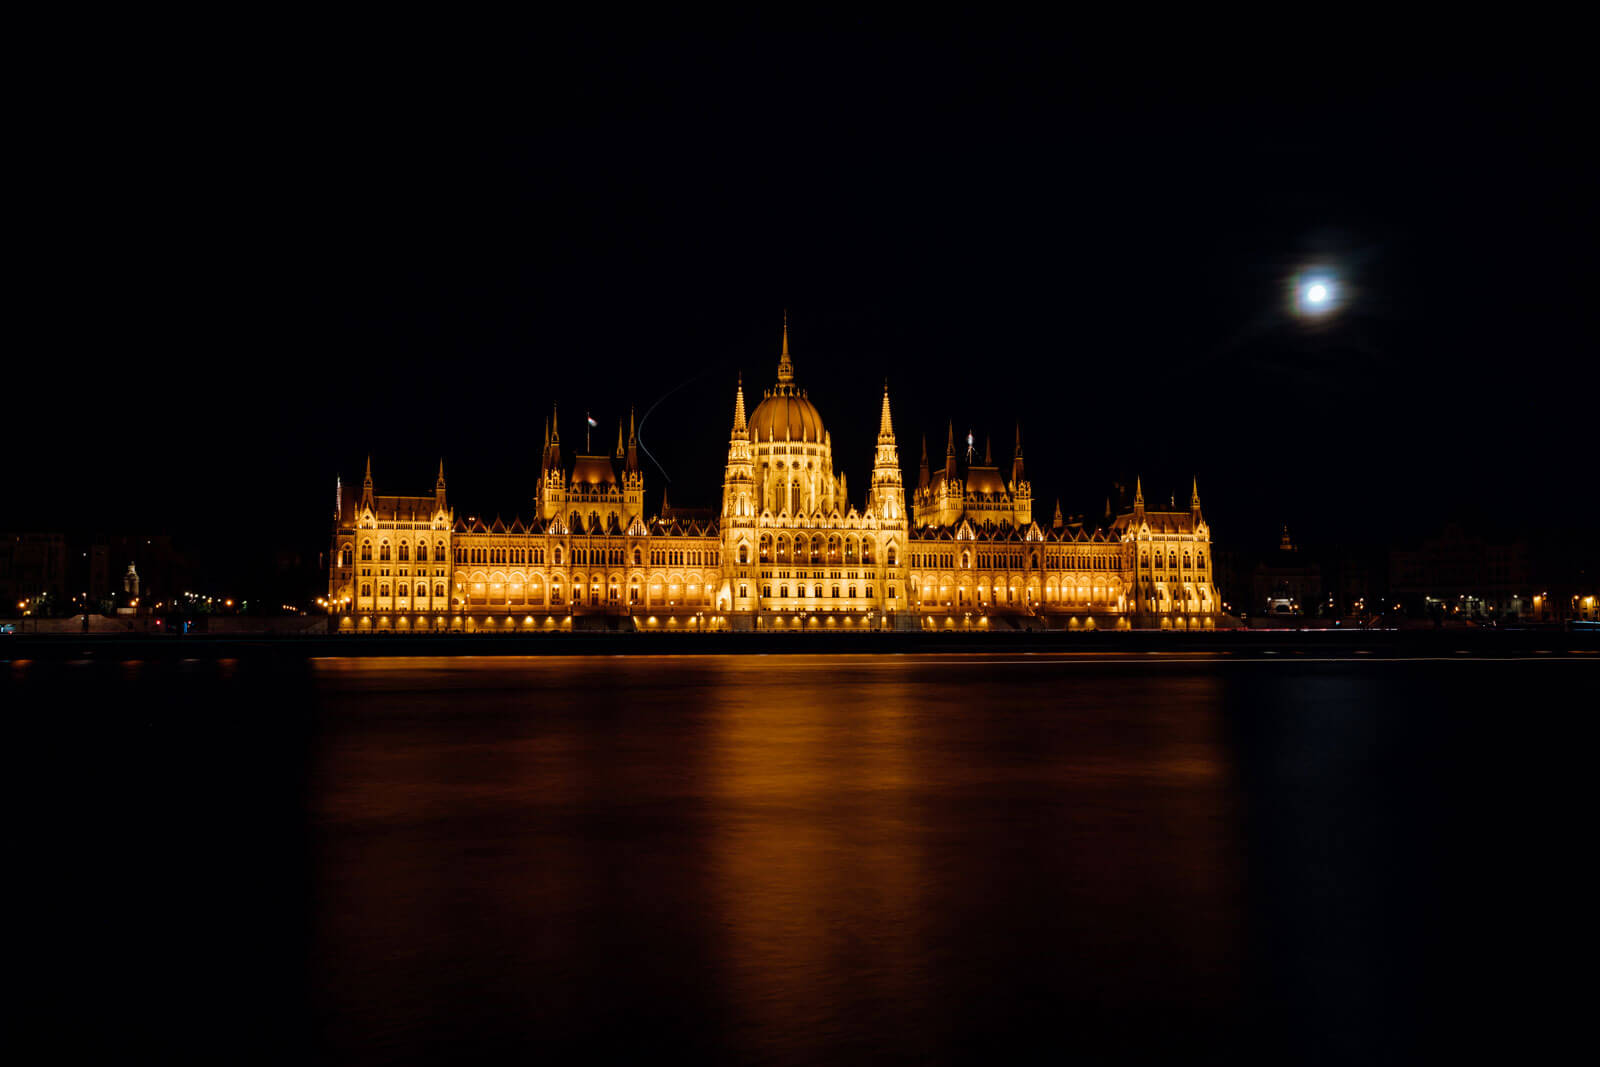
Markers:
(244, 274)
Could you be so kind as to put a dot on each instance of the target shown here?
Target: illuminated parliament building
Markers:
(786, 550)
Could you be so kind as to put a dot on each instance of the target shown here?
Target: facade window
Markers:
(366, 550)
(383, 550)
(383, 589)
(438, 590)
(744, 590)
(852, 592)
(835, 592)
(783, 591)
(637, 557)
(869, 591)
(405, 552)
(766, 591)
(366, 588)
(744, 554)
(556, 555)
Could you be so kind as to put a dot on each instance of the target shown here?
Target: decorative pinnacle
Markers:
(1138, 491)
(785, 365)
(738, 406)
(1194, 494)
(369, 469)
(885, 427)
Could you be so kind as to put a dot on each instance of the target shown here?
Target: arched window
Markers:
(1033, 561)
(383, 589)
(344, 555)
(966, 559)
(557, 555)
(891, 556)
(637, 557)
(744, 553)
(366, 551)
(383, 551)
(794, 497)
(422, 551)
(405, 552)
(366, 588)
(422, 589)
(438, 590)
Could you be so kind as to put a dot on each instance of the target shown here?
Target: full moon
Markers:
(1317, 293)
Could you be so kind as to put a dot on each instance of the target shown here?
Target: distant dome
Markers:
(786, 413)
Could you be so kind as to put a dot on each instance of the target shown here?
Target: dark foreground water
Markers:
(802, 859)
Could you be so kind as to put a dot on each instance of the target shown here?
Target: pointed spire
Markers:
(785, 365)
(620, 450)
(438, 487)
(1138, 495)
(885, 426)
(950, 454)
(738, 406)
(366, 485)
(1194, 495)
(988, 453)
(633, 443)
(441, 472)
(368, 479)
(1056, 523)
(922, 471)
(1016, 461)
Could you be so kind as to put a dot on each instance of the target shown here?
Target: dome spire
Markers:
(738, 406)
(785, 365)
(885, 427)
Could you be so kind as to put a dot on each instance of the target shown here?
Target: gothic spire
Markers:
(1138, 495)
(620, 451)
(922, 472)
(366, 485)
(988, 453)
(1016, 461)
(633, 443)
(738, 406)
(885, 427)
(1194, 496)
(1056, 523)
(785, 365)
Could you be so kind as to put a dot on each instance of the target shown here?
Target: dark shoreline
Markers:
(1247, 644)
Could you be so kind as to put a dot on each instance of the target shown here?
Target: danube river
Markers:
(796, 859)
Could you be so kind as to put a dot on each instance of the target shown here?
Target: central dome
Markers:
(786, 414)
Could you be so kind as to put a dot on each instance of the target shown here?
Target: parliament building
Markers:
(786, 550)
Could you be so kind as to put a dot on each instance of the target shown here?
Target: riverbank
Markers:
(1252, 643)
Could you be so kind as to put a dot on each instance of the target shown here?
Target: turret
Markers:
(1056, 522)
(1194, 501)
(888, 496)
(438, 488)
(1138, 498)
(366, 486)
(950, 454)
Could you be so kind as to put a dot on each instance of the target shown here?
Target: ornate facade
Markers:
(785, 550)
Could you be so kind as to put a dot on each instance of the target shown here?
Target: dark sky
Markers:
(243, 274)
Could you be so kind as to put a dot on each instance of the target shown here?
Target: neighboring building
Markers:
(787, 548)
(1288, 583)
(1455, 574)
(32, 565)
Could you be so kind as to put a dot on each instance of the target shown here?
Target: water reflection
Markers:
(770, 857)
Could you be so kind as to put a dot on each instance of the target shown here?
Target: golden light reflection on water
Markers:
(810, 850)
